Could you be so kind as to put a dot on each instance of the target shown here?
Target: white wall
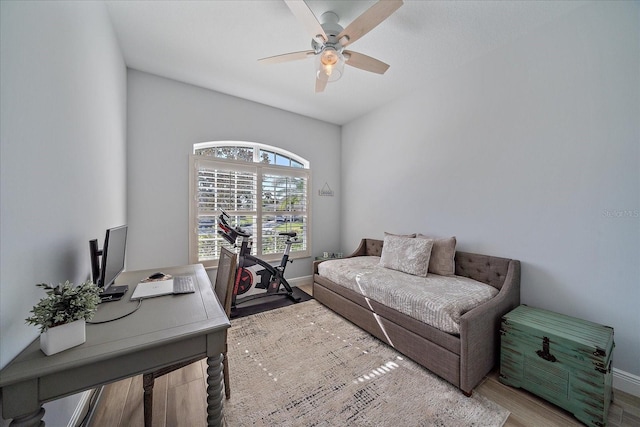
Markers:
(165, 118)
(531, 152)
(62, 154)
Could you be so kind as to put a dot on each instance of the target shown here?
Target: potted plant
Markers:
(63, 313)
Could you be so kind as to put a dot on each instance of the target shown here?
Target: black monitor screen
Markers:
(113, 251)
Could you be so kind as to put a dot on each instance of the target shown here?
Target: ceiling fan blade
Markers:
(321, 82)
(285, 57)
(302, 12)
(365, 62)
(371, 18)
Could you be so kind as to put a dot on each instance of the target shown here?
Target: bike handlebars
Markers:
(230, 234)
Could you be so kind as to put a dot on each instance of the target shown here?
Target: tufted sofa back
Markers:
(373, 247)
(483, 268)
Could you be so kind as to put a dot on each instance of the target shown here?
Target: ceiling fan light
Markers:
(329, 57)
(330, 63)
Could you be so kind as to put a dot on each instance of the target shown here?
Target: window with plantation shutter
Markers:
(264, 190)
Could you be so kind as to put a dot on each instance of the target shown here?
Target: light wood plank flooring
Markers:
(529, 410)
(180, 400)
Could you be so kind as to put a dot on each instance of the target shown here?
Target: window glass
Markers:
(283, 160)
(267, 157)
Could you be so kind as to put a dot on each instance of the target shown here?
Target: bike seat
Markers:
(290, 234)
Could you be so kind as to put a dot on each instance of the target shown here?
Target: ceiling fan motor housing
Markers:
(332, 29)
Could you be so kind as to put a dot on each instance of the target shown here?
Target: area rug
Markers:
(268, 303)
(304, 365)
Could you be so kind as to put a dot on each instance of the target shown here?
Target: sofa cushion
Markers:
(439, 301)
(443, 254)
(406, 254)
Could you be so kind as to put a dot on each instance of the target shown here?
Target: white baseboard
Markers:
(624, 381)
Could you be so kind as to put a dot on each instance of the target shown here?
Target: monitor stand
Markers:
(113, 293)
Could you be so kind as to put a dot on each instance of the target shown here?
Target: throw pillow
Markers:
(406, 254)
(443, 254)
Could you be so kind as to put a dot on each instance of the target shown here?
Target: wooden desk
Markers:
(164, 331)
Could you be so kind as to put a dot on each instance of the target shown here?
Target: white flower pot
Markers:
(62, 337)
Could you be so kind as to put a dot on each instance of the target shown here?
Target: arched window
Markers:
(265, 190)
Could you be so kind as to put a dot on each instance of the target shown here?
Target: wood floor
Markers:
(529, 410)
(180, 400)
(181, 395)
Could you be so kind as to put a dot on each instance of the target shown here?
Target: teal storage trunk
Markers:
(564, 360)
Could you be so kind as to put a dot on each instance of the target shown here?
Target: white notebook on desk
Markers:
(153, 289)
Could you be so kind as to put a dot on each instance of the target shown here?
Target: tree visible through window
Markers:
(264, 190)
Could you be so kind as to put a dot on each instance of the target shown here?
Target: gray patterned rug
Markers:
(304, 365)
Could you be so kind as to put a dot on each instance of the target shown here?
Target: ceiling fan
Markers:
(329, 39)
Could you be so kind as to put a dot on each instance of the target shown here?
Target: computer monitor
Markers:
(113, 251)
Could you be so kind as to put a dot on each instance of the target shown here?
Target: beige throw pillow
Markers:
(406, 254)
(443, 254)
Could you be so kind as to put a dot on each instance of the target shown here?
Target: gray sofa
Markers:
(464, 359)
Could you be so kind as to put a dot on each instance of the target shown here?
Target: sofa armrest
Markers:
(479, 331)
(361, 250)
(366, 247)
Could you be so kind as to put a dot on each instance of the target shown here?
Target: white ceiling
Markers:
(216, 44)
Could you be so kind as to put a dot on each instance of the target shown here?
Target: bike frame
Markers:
(274, 275)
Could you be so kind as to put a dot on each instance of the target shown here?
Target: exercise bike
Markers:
(271, 278)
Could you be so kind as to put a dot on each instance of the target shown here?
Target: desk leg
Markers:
(30, 420)
(214, 391)
(148, 381)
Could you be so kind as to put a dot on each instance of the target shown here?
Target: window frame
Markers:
(260, 169)
(256, 146)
